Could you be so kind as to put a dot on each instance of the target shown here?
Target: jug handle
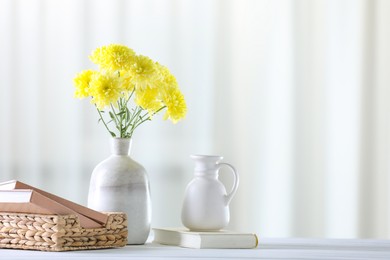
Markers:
(236, 180)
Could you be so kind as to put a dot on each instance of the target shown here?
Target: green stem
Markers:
(117, 123)
(137, 124)
(161, 108)
(123, 116)
(119, 102)
(101, 118)
(134, 119)
(135, 115)
(131, 94)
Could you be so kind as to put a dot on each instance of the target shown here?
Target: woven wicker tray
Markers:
(59, 232)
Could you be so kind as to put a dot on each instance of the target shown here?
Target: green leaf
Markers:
(126, 127)
(112, 115)
(112, 134)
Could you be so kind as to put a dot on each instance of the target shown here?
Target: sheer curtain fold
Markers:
(7, 14)
(343, 116)
(293, 93)
(374, 172)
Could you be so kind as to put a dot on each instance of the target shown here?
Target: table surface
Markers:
(269, 248)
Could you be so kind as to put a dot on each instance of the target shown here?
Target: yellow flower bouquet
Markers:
(131, 88)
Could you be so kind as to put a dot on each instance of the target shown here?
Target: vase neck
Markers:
(120, 146)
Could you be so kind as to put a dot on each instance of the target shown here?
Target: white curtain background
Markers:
(295, 94)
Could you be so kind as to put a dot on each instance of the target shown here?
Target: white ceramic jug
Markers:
(206, 203)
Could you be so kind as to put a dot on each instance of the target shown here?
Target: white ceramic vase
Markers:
(206, 203)
(121, 184)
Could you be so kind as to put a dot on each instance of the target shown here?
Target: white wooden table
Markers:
(293, 248)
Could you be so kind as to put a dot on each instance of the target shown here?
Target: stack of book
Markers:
(31, 218)
(18, 197)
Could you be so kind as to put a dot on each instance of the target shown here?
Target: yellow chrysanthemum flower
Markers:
(81, 83)
(104, 89)
(148, 99)
(143, 72)
(127, 80)
(176, 105)
(166, 79)
(113, 57)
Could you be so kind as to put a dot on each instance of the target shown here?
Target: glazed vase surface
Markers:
(120, 184)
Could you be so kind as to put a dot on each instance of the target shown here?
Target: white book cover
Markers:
(219, 239)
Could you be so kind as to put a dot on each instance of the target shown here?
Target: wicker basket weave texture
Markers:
(60, 232)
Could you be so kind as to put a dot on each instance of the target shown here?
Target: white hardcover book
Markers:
(217, 239)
